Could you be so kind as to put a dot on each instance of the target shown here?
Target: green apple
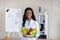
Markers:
(34, 32)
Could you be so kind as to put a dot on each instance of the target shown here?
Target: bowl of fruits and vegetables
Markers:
(29, 32)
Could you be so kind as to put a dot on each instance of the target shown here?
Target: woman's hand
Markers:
(29, 36)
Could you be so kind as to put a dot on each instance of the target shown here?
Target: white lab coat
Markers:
(31, 25)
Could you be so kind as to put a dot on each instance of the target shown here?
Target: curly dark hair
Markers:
(24, 16)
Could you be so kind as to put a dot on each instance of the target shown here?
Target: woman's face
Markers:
(28, 14)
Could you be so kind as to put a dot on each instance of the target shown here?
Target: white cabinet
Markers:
(13, 19)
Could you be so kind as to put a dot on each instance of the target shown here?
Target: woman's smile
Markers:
(28, 14)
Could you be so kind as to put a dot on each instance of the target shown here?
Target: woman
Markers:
(30, 22)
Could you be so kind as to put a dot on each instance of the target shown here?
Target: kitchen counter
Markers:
(19, 39)
(37, 39)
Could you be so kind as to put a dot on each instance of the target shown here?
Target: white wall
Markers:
(50, 5)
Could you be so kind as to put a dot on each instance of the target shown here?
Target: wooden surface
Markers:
(19, 39)
(37, 39)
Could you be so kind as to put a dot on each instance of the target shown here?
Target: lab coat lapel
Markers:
(31, 23)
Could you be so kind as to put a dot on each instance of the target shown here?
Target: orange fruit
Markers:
(34, 29)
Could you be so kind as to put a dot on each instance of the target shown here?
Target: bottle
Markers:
(6, 37)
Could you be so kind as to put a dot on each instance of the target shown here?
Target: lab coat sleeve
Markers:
(38, 29)
(20, 34)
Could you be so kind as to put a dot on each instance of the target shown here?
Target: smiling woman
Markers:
(30, 23)
(28, 14)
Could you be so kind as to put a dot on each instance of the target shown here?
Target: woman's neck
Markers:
(28, 19)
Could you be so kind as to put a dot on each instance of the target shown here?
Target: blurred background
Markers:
(51, 6)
